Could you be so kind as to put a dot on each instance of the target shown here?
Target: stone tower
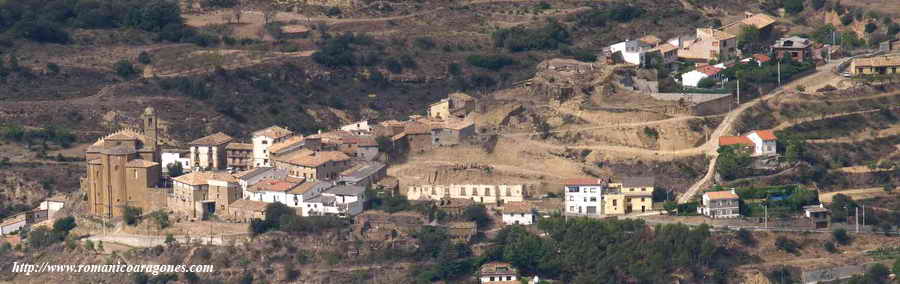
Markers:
(151, 130)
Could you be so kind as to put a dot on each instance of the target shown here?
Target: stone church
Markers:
(123, 169)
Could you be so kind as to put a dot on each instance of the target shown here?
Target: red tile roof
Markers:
(766, 135)
(709, 70)
(726, 194)
(762, 58)
(734, 140)
(273, 185)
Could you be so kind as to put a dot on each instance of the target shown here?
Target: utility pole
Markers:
(767, 216)
(857, 220)
(739, 91)
(864, 216)
(779, 72)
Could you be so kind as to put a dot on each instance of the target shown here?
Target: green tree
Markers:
(170, 240)
(670, 207)
(161, 219)
(871, 27)
(124, 68)
(829, 247)
(41, 237)
(745, 237)
(64, 225)
(478, 214)
(88, 244)
(132, 215)
(707, 82)
(175, 169)
(53, 68)
(896, 267)
(274, 213)
(431, 241)
(749, 38)
(786, 244)
(733, 162)
(818, 4)
(793, 6)
(841, 236)
(144, 58)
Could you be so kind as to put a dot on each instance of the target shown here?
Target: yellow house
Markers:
(879, 65)
(631, 195)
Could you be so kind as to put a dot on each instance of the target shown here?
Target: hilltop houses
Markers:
(720, 204)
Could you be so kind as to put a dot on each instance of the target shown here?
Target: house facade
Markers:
(632, 51)
(363, 174)
(314, 165)
(263, 139)
(693, 78)
(797, 48)
(518, 213)
(202, 193)
(720, 204)
(239, 156)
(879, 65)
(758, 142)
(498, 272)
(481, 193)
(208, 153)
(583, 196)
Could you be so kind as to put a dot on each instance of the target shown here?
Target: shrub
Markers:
(579, 54)
(829, 247)
(144, 58)
(454, 69)
(548, 37)
(707, 82)
(841, 236)
(64, 224)
(651, 132)
(787, 245)
(745, 237)
(333, 11)
(124, 68)
(132, 215)
(793, 6)
(493, 62)
(41, 31)
(53, 68)
(424, 43)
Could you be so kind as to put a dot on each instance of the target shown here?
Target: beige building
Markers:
(710, 44)
(203, 193)
(481, 193)
(632, 194)
(314, 165)
(123, 170)
(209, 152)
(245, 210)
(879, 65)
(239, 156)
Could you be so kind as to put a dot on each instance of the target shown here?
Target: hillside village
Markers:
(746, 151)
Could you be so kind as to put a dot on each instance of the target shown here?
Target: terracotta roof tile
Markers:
(287, 143)
(725, 194)
(734, 140)
(417, 128)
(203, 177)
(517, 208)
(709, 70)
(762, 58)
(273, 185)
(759, 21)
(249, 205)
(497, 268)
(766, 135)
(218, 138)
(650, 39)
(313, 159)
(239, 146)
(273, 132)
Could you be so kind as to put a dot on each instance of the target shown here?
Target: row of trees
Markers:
(54, 134)
(283, 218)
(46, 20)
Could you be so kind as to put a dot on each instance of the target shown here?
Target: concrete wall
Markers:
(481, 193)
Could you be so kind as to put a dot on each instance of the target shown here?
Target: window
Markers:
(614, 202)
(593, 199)
(571, 198)
(264, 142)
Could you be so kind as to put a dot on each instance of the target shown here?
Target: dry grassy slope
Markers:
(271, 258)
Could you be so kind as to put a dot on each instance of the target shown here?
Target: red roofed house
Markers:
(693, 78)
(763, 142)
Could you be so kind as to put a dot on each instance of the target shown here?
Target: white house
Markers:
(498, 272)
(341, 200)
(518, 213)
(633, 51)
(263, 139)
(358, 127)
(583, 196)
(251, 177)
(693, 78)
(170, 157)
(11, 226)
(720, 204)
(764, 142)
(51, 205)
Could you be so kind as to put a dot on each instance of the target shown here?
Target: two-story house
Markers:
(263, 139)
(583, 196)
(720, 204)
(761, 142)
(202, 193)
(797, 48)
(518, 213)
(314, 165)
(498, 273)
(632, 51)
(209, 152)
